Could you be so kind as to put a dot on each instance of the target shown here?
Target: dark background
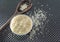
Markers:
(7, 8)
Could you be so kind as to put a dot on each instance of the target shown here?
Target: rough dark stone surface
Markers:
(7, 8)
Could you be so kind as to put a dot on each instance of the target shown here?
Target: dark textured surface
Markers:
(7, 7)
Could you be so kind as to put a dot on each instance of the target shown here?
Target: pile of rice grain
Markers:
(38, 22)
